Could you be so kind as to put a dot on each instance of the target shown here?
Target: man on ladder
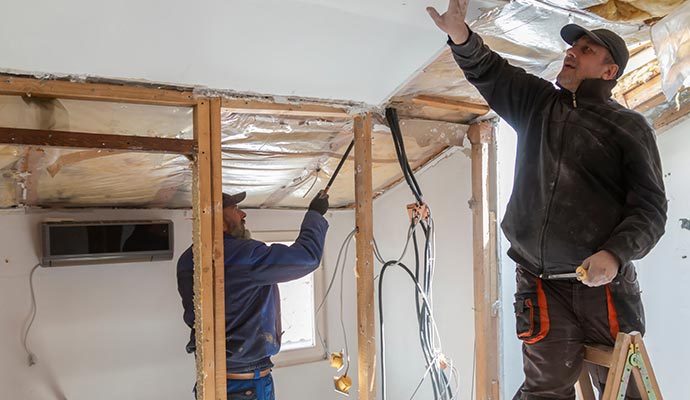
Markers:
(588, 192)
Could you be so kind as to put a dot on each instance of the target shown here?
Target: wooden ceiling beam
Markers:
(11, 85)
(451, 104)
(643, 92)
(253, 106)
(672, 116)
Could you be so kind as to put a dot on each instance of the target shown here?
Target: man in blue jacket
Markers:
(588, 192)
(252, 302)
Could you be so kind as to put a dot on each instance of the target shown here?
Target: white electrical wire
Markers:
(426, 372)
(32, 317)
(380, 259)
(344, 246)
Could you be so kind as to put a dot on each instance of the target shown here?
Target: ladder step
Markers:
(599, 354)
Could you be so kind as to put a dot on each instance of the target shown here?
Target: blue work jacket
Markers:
(252, 301)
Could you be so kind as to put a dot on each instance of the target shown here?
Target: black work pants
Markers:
(556, 318)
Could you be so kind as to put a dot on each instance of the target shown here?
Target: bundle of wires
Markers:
(422, 277)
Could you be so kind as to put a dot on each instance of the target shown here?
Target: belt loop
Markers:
(257, 373)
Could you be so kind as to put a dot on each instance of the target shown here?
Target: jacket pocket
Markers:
(531, 315)
(246, 394)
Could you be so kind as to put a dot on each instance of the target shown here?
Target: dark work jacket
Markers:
(252, 302)
(587, 172)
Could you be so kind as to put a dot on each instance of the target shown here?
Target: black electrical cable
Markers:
(392, 117)
(404, 165)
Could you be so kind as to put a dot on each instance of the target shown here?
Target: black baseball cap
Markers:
(230, 200)
(614, 43)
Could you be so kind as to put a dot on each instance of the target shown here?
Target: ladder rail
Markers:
(628, 357)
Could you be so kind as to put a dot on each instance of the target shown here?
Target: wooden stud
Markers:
(218, 260)
(13, 85)
(27, 187)
(202, 234)
(366, 334)
(484, 207)
(42, 137)
(252, 106)
(451, 104)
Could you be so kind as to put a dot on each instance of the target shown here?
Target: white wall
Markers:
(105, 331)
(664, 274)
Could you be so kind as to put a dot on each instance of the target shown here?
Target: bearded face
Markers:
(234, 222)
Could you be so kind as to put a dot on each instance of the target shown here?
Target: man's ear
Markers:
(610, 72)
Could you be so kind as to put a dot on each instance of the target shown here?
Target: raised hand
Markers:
(452, 21)
(320, 203)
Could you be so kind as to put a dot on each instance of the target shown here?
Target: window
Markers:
(298, 301)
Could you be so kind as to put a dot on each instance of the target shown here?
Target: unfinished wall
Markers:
(664, 274)
(115, 331)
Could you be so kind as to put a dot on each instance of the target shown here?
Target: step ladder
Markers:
(628, 357)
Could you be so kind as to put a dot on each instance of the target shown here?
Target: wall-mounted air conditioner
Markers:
(78, 243)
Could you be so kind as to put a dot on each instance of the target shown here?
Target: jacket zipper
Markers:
(553, 190)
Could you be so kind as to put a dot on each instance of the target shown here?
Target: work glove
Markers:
(319, 203)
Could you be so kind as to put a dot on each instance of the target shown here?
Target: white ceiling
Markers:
(352, 50)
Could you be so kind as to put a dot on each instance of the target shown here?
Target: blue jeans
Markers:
(251, 389)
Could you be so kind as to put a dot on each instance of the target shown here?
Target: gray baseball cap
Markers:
(614, 43)
(230, 200)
